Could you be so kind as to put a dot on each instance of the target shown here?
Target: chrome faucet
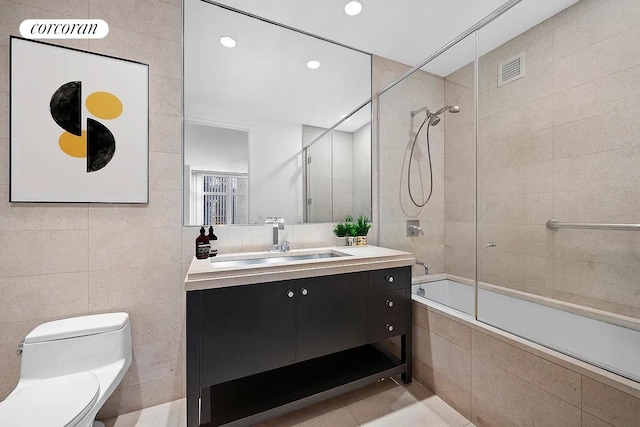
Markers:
(426, 267)
(278, 225)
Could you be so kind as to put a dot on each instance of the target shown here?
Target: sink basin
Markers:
(274, 259)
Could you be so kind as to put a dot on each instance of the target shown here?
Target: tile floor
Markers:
(386, 403)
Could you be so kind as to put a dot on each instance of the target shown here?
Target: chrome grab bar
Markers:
(554, 224)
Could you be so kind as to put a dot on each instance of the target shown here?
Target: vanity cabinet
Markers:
(256, 351)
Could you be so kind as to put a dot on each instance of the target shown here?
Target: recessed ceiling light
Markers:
(353, 8)
(313, 64)
(227, 41)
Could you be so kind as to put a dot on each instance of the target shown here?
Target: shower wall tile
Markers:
(575, 11)
(601, 246)
(459, 163)
(610, 93)
(426, 93)
(608, 404)
(608, 169)
(460, 139)
(395, 109)
(603, 282)
(594, 25)
(598, 205)
(516, 400)
(535, 38)
(520, 120)
(536, 84)
(460, 210)
(534, 208)
(598, 60)
(555, 379)
(519, 179)
(533, 240)
(454, 332)
(609, 131)
(589, 420)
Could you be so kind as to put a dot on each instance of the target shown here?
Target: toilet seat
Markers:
(56, 402)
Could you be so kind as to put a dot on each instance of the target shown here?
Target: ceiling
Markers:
(264, 77)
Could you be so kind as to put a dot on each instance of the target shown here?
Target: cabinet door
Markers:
(331, 314)
(245, 330)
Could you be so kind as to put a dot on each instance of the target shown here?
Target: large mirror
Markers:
(266, 131)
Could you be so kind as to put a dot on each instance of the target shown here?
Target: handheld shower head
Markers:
(434, 120)
(450, 108)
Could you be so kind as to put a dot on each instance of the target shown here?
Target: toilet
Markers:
(68, 370)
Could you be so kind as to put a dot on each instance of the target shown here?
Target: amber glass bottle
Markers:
(202, 245)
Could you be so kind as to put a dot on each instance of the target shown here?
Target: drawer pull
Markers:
(290, 293)
(389, 303)
(389, 279)
(304, 291)
(389, 327)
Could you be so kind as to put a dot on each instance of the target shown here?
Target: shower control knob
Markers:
(290, 293)
(389, 303)
(389, 279)
(389, 327)
(304, 291)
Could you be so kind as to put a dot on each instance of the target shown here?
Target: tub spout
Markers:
(426, 267)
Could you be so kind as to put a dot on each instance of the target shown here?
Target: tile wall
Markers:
(562, 142)
(105, 258)
(397, 130)
(495, 381)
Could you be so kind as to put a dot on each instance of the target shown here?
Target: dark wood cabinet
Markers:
(246, 330)
(331, 314)
(256, 351)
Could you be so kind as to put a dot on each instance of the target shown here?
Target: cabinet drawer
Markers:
(388, 279)
(387, 326)
(383, 303)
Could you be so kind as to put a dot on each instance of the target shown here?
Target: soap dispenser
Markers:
(202, 245)
(213, 243)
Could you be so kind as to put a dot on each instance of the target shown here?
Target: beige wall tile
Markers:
(528, 148)
(532, 39)
(452, 331)
(128, 287)
(518, 400)
(460, 210)
(427, 93)
(444, 357)
(598, 246)
(165, 22)
(460, 139)
(535, 85)
(610, 93)
(460, 186)
(546, 375)
(48, 295)
(588, 27)
(65, 251)
(520, 120)
(452, 393)
(608, 404)
(459, 163)
(165, 172)
(152, 362)
(4, 116)
(589, 420)
(598, 60)
(619, 129)
(395, 109)
(4, 69)
(4, 162)
(534, 208)
(597, 206)
(140, 396)
(50, 216)
(523, 239)
(76, 8)
(574, 12)
(484, 414)
(163, 57)
(165, 133)
(608, 169)
(519, 179)
(606, 282)
(165, 95)
(127, 248)
(396, 135)
(163, 211)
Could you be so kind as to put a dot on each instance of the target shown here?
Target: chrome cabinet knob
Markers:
(389, 303)
(304, 291)
(389, 279)
(290, 293)
(389, 327)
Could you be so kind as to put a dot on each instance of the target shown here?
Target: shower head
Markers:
(434, 120)
(450, 108)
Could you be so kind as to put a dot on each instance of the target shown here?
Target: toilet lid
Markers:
(55, 402)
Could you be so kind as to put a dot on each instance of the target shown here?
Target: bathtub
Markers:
(608, 341)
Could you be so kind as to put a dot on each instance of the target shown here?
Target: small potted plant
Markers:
(362, 227)
(341, 231)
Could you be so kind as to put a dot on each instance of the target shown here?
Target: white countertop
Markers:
(205, 274)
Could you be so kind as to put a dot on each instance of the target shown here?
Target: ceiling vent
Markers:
(511, 69)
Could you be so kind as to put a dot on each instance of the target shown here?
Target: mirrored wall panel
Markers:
(259, 99)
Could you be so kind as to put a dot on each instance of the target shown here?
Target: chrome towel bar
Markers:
(554, 224)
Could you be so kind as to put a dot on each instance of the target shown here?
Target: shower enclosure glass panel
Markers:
(558, 137)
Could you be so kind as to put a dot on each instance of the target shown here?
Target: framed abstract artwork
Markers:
(79, 126)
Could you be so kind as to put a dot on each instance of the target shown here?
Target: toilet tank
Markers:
(77, 344)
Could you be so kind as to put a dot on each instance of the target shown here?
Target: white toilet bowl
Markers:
(69, 368)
